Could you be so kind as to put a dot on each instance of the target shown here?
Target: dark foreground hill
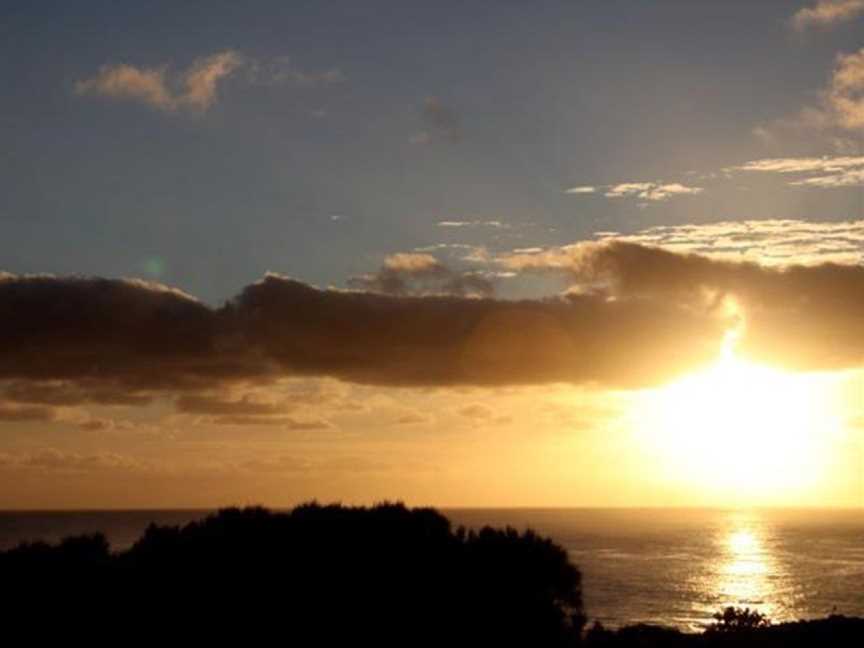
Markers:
(316, 576)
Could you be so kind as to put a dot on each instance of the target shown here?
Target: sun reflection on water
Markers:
(747, 572)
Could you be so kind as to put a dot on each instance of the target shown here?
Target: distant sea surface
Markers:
(668, 566)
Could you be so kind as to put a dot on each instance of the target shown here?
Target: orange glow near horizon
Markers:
(742, 431)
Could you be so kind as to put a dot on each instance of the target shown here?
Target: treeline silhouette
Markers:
(336, 576)
(314, 576)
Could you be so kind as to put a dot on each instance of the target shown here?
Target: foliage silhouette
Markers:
(314, 576)
(737, 620)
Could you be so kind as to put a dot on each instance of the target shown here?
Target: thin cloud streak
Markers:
(826, 172)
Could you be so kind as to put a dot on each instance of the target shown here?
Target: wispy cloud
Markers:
(825, 172)
(827, 13)
(652, 191)
(283, 70)
(774, 242)
(839, 111)
(195, 89)
(473, 223)
(845, 94)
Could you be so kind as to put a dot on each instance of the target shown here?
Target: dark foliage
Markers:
(317, 576)
(736, 628)
(738, 621)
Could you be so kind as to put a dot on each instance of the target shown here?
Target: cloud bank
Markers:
(636, 315)
(114, 338)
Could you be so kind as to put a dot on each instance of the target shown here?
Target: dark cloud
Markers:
(644, 315)
(200, 404)
(381, 339)
(801, 317)
(287, 422)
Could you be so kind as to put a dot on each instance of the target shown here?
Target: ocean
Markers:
(665, 566)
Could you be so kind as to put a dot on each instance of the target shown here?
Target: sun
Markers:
(743, 430)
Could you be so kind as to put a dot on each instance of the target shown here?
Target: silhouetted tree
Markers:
(314, 576)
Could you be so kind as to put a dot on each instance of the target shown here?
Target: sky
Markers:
(460, 254)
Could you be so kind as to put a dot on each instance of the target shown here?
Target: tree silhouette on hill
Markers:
(314, 576)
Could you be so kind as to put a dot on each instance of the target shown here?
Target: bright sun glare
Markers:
(741, 429)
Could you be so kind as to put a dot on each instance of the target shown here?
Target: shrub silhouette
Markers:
(315, 576)
(735, 620)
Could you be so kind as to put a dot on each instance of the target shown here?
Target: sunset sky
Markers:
(553, 253)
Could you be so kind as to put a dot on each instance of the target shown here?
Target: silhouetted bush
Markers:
(736, 629)
(735, 620)
(315, 576)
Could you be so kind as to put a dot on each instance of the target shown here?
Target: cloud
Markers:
(200, 404)
(839, 112)
(413, 417)
(286, 422)
(195, 89)
(651, 190)
(853, 178)
(282, 70)
(476, 411)
(473, 223)
(801, 165)
(827, 13)
(201, 79)
(419, 273)
(769, 242)
(441, 123)
(637, 315)
(51, 459)
(116, 334)
(798, 316)
(825, 172)
(845, 94)
(18, 414)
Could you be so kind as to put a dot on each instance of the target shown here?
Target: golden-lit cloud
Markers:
(845, 94)
(473, 223)
(839, 112)
(827, 13)
(653, 191)
(194, 89)
(797, 316)
(767, 242)
(650, 191)
(825, 172)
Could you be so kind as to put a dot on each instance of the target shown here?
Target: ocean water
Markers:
(668, 566)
